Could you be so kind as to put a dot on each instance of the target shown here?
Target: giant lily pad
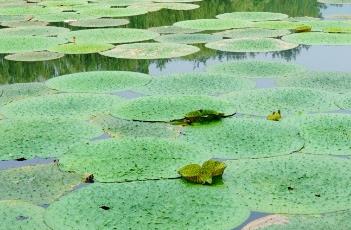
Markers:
(149, 204)
(110, 35)
(62, 105)
(196, 84)
(150, 51)
(288, 100)
(240, 138)
(81, 48)
(188, 38)
(252, 33)
(330, 81)
(213, 24)
(20, 44)
(100, 22)
(34, 56)
(253, 16)
(295, 184)
(251, 45)
(15, 214)
(319, 38)
(167, 108)
(31, 138)
(40, 184)
(131, 159)
(98, 81)
(258, 69)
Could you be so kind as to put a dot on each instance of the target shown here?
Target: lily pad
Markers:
(98, 81)
(239, 138)
(319, 38)
(41, 184)
(15, 214)
(252, 33)
(188, 38)
(23, 23)
(131, 159)
(34, 31)
(278, 25)
(150, 51)
(251, 45)
(75, 105)
(196, 84)
(100, 22)
(340, 2)
(172, 30)
(34, 56)
(288, 100)
(63, 17)
(294, 184)
(345, 102)
(253, 16)
(258, 69)
(168, 108)
(81, 48)
(213, 24)
(156, 6)
(331, 81)
(100, 12)
(29, 138)
(149, 204)
(109, 35)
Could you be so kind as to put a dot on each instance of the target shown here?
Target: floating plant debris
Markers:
(275, 116)
(200, 116)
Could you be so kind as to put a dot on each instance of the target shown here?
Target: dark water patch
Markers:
(103, 136)
(24, 162)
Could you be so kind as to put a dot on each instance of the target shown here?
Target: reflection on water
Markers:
(324, 58)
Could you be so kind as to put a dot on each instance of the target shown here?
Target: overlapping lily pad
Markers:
(213, 24)
(34, 30)
(173, 30)
(66, 105)
(23, 23)
(81, 48)
(295, 184)
(63, 17)
(188, 38)
(345, 102)
(99, 81)
(240, 138)
(40, 184)
(288, 100)
(150, 7)
(112, 12)
(253, 16)
(335, 1)
(29, 138)
(319, 38)
(131, 159)
(167, 108)
(100, 22)
(196, 84)
(253, 33)
(150, 204)
(277, 25)
(330, 81)
(16, 215)
(325, 133)
(110, 35)
(34, 56)
(258, 69)
(150, 51)
(251, 45)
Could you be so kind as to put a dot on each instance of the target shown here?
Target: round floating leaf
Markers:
(258, 69)
(277, 25)
(322, 25)
(30, 10)
(31, 138)
(101, 22)
(330, 81)
(240, 138)
(98, 81)
(251, 45)
(119, 128)
(66, 105)
(253, 33)
(150, 7)
(319, 38)
(34, 56)
(41, 184)
(20, 44)
(288, 100)
(296, 184)
(21, 90)
(123, 2)
(34, 30)
(335, 1)
(326, 133)
(196, 84)
(111, 12)
(172, 30)
(345, 102)
(15, 214)
(213, 24)
(81, 48)
(151, 204)
(150, 51)
(188, 38)
(14, 18)
(110, 35)
(131, 159)
(63, 17)
(167, 108)
(23, 23)
(253, 16)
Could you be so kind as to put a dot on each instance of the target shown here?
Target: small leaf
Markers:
(275, 116)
